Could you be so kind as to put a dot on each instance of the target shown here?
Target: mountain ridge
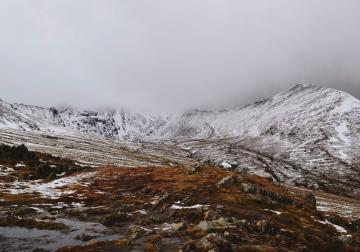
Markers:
(306, 136)
(120, 124)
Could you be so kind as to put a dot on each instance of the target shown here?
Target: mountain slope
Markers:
(298, 112)
(306, 136)
(115, 124)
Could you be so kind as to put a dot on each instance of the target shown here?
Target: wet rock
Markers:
(85, 237)
(220, 224)
(40, 250)
(226, 182)
(114, 219)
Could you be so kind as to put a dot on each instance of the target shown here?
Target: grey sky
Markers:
(174, 54)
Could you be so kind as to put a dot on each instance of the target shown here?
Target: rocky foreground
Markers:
(71, 207)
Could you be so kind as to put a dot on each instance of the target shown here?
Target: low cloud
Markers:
(174, 55)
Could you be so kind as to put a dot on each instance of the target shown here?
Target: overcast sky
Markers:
(174, 54)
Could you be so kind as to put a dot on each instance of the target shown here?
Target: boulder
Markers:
(220, 224)
(226, 182)
(204, 245)
(248, 188)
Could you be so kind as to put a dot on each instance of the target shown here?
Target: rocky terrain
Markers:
(278, 175)
(184, 208)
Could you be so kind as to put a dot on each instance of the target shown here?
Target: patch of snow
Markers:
(142, 211)
(77, 205)
(338, 228)
(341, 141)
(5, 170)
(225, 165)
(175, 206)
(273, 211)
(48, 190)
(61, 174)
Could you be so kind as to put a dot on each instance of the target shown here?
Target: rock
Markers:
(229, 165)
(217, 239)
(193, 169)
(266, 227)
(179, 226)
(85, 237)
(204, 245)
(225, 165)
(248, 188)
(216, 225)
(346, 238)
(241, 223)
(213, 242)
(163, 198)
(310, 198)
(51, 176)
(115, 219)
(145, 190)
(210, 215)
(135, 232)
(226, 182)
(261, 226)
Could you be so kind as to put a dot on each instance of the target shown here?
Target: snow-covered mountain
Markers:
(306, 135)
(301, 112)
(115, 124)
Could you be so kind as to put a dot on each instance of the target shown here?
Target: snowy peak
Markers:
(298, 112)
(110, 123)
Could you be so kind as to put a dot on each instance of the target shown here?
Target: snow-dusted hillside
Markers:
(115, 124)
(300, 112)
(304, 136)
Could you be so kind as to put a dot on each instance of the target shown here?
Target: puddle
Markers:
(24, 239)
(14, 239)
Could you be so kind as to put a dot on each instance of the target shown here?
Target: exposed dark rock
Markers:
(310, 198)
